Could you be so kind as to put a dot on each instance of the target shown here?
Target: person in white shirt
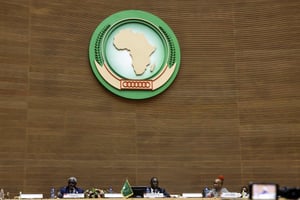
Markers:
(218, 188)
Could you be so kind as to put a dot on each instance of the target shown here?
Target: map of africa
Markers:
(138, 47)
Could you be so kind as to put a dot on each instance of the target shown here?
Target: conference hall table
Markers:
(179, 198)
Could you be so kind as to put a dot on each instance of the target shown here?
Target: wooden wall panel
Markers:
(233, 108)
(14, 60)
(268, 71)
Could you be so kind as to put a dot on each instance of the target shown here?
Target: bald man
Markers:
(155, 187)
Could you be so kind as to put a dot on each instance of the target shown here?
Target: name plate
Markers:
(74, 196)
(230, 195)
(113, 195)
(192, 195)
(153, 195)
(31, 196)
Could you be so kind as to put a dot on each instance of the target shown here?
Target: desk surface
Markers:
(179, 198)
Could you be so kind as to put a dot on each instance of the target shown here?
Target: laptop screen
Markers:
(138, 191)
(263, 191)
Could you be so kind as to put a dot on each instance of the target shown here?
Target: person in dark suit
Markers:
(154, 187)
(70, 188)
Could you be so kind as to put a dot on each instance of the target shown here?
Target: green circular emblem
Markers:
(134, 54)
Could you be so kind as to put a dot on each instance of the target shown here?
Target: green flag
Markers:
(126, 189)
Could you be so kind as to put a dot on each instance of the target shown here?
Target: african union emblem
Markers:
(134, 54)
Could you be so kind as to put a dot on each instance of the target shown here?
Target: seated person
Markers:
(244, 192)
(218, 188)
(154, 187)
(70, 188)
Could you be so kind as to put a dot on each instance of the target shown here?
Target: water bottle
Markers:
(110, 190)
(7, 195)
(2, 193)
(148, 190)
(52, 193)
(205, 192)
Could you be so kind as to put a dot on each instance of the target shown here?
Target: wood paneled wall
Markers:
(234, 108)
